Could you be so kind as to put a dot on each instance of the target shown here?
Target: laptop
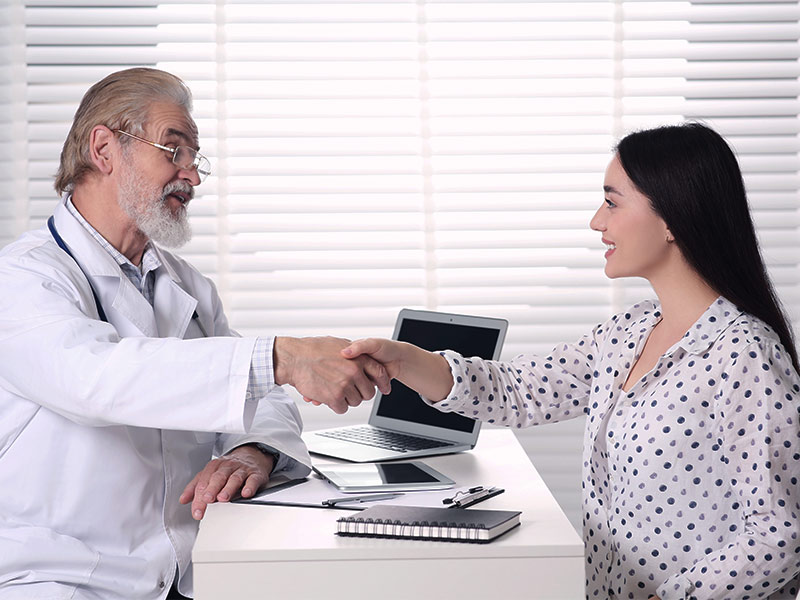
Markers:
(401, 425)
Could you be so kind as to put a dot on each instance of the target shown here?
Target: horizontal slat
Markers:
(711, 89)
(124, 56)
(702, 32)
(58, 35)
(724, 12)
(710, 50)
(78, 16)
(711, 70)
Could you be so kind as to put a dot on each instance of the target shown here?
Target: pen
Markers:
(368, 498)
(474, 496)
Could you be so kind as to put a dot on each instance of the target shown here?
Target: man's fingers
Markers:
(339, 405)
(252, 484)
(353, 398)
(198, 507)
(188, 491)
(232, 486)
(223, 478)
(378, 375)
(364, 388)
(322, 373)
(211, 481)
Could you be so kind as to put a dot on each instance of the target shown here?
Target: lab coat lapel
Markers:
(130, 304)
(173, 306)
(123, 303)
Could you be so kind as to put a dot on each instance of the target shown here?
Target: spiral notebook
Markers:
(423, 523)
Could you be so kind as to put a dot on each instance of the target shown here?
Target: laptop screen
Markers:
(468, 340)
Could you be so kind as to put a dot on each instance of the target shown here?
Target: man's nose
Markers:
(190, 175)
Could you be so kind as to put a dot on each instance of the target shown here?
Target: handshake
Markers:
(341, 374)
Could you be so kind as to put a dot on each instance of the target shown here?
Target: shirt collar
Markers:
(707, 329)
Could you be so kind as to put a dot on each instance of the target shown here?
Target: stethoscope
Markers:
(101, 313)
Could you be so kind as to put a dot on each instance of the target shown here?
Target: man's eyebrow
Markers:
(611, 190)
(180, 134)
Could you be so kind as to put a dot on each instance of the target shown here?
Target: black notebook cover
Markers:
(425, 523)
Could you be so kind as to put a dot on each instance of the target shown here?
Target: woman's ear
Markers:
(670, 237)
(103, 149)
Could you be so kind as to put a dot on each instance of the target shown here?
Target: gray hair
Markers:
(121, 100)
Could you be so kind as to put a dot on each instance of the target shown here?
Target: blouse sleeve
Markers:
(758, 433)
(528, 390)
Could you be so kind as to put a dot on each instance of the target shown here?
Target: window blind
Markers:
(13, 151)
(439, 154)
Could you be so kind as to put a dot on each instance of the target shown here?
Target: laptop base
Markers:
(319, 443)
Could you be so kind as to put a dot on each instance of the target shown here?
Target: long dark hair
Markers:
(694, 184)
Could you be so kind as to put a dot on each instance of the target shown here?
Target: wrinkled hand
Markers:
(245, 469)
(383, 351)
(317, 369)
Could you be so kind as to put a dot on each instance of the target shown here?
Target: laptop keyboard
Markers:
(380, 438)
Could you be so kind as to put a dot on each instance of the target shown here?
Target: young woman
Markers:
(692, 441)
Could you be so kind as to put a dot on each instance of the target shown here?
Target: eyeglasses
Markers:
(182, 156)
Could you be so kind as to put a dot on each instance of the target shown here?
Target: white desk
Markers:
(249, 551)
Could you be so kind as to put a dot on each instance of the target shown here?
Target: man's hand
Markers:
(316, 367)
(243, 469)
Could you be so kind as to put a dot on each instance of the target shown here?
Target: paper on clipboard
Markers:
(310, 492)
(313, 491)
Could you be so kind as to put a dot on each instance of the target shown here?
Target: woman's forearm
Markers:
(428, 373)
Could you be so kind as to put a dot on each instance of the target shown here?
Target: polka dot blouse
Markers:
(690, 479)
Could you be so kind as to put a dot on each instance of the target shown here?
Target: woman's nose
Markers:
(597, 223)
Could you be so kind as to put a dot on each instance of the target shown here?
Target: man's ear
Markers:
(103, 149)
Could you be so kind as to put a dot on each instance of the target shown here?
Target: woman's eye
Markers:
(609, 203)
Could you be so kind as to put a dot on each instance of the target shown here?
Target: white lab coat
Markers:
(103, 424)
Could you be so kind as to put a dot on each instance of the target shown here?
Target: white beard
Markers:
(148, 208)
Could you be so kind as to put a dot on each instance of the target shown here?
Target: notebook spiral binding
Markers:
(416, 530)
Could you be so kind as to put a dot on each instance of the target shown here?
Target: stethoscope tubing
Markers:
(54, 232)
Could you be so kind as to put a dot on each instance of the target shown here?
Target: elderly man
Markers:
(121, 377)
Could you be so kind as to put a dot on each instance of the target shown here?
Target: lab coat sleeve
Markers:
(275, 419)
(59, 356)
(277, 424)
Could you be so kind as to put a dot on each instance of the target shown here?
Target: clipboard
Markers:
(311, 492)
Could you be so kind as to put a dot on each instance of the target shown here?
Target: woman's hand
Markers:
(427, 373)
(389, 353)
